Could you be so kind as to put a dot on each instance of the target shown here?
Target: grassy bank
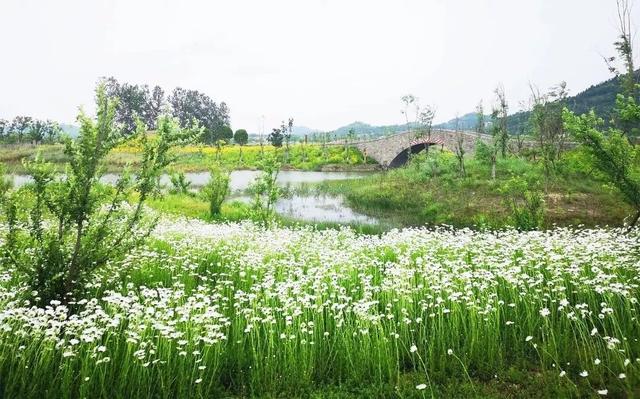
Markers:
(235, 211)
(198, 158)
(431, 191)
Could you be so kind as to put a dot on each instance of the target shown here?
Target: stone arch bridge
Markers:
(393, 151)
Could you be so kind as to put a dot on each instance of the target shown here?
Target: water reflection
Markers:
(313, 208)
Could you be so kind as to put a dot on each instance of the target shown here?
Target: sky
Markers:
(324, 63)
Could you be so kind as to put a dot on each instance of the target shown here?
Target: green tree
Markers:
(75, 225)
(241, 137)
(216, 189)
(4, 134)
(266, 191)
(547, 124)
(459, 149)
(287, 131)
(219, 144)
(224, 133)
(610, 150)
(501, 111)
(276, 138)
(193, 108)
(19, 128)
(611, 153)
(480, 123)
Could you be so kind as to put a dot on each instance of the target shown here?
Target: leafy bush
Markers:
(525, 203)
(179, 183)
(216, 189)
(71, 227)
(266, 191)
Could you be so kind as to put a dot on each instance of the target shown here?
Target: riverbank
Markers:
(196, 158)
(432, 192)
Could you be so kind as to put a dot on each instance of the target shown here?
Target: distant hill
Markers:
(303, 130)
(365, 130)
(71, 130)
(600, 97)
(465, 122)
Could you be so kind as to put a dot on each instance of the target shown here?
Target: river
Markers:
(303, 207)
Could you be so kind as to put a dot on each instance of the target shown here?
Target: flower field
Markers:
(232, 309)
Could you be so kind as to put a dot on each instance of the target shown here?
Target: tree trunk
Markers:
(493, 168)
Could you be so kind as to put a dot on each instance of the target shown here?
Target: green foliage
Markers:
(241, 137)
(276, 137)
(27, 129)
(525, 202)
(216, 189)
(547, 124)
(179, 183)
(611, 153)
(224, 133)
(266, 191)
(5, 182)
(62, 230)
(483, 152)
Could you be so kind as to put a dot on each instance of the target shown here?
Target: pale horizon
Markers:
(324, 63)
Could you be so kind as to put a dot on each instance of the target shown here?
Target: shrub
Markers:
(216, 189)
(179, 183)
(525, 203)
(266, 191)
(71, 227)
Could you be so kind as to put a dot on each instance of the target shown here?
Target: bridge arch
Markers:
(393, 151)
(414, 147)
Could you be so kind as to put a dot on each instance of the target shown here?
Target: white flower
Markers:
(603, 392)
(622, 376)
(413, 349)
(563, 373)
(596, 362)
(101, 348)
(449, 352)
(420, 387)
(529, 338)
(544, 312)
(199, 380)
(584, 373)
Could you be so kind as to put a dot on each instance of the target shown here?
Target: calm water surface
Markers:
(312, 207)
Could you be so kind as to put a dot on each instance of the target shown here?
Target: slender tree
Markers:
(502, 113)
(459, 148)
(480, 123)
(241, 137)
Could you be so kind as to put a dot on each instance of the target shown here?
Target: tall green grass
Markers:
(231, 309)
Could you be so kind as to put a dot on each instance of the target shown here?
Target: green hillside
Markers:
(600, 97)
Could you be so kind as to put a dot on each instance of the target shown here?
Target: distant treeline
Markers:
(190, 107)
(25, 129)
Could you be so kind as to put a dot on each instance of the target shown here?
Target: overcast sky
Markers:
(325, 63)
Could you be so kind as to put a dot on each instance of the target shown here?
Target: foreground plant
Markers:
(237, 310)
(61, 229)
